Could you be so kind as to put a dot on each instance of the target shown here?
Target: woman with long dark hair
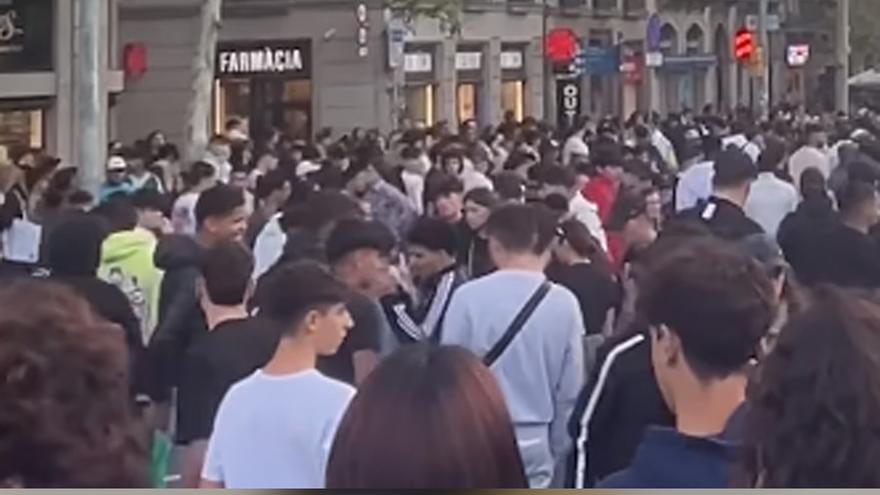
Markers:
(478, 205)
(428, 417)
(582, 267)
(814, 411)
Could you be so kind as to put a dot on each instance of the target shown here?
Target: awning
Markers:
(870, 79)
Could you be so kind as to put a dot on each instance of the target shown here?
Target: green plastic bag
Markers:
(160, 455)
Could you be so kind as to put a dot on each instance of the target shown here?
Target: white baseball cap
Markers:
(306, 167)
(115, 163)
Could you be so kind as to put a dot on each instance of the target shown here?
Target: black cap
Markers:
(733, 167)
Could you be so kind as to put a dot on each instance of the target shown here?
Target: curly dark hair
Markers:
(814, 414)
(65, 416)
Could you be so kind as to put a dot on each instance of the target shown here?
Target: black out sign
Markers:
(568, 102)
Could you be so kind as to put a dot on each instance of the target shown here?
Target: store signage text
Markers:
(418, 62)
(568, 99)
(26, 35)
(798, 55)
(468, 60)
(511, 60)
(265, 61)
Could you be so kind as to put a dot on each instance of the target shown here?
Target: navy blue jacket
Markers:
(669, 459)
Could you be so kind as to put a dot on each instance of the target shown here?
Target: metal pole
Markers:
(89, 148)
(545, 13)
(841, 99)
(763, 6)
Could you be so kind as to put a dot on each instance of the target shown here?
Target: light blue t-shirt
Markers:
(540, 373)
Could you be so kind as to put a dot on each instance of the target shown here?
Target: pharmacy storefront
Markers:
(266, 83)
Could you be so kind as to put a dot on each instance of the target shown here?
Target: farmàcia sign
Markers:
(289, 58)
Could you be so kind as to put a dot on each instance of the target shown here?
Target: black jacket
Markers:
(111, 304)
(409, 321)
(799, 232)
(723, 218)
(73, 250)
(620, 401)
(180, 316)
(839, 255)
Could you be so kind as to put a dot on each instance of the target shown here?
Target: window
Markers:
(466, 102)
(513, 98)
(22, 127)
(265, 103)
(420, 103)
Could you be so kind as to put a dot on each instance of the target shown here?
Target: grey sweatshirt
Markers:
(540, 373)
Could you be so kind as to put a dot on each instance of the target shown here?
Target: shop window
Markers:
(513, 98)
(420, 104)
(298, 92)
(22, 127)
(466, 101)
(265, 103)
(231, 99)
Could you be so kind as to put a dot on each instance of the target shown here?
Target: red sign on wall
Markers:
(134, 60)
(561, 45)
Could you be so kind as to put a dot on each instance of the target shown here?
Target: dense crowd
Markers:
(676, 302)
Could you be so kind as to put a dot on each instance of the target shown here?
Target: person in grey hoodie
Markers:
(541, 369)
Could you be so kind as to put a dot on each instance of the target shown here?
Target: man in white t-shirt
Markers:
(275, 428)
(576, 145)
(813, 154)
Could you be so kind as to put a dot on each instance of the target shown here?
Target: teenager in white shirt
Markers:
(576, 144)
(771, 199)
(275, 428)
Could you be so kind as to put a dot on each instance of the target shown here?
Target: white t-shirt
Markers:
(808, 157)
(269, 246)
(587, 213)
(183, 215)
(276, 431)
(415, 189)
(743, 144)
(574, 146)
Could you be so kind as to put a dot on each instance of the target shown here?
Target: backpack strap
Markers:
(518, 323)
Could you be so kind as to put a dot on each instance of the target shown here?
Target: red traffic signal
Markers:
(561, 45)
(743, 44)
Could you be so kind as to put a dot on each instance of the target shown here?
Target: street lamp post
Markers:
(89, 145)
(763, 26)
(545, 14)
(841, 97)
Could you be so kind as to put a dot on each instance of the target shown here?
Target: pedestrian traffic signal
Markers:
(744, 45)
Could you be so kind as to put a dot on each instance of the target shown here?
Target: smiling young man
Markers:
(220, 218)
(275, 428)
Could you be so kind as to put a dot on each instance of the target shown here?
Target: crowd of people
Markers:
(678, 302)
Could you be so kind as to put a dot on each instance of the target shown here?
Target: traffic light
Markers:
(744, 45)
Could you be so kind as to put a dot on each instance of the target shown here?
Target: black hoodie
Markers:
(800, 233)
(180, 315)
(74, 253)
(620, 401)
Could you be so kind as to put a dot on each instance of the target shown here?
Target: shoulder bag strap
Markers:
(518, 323)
